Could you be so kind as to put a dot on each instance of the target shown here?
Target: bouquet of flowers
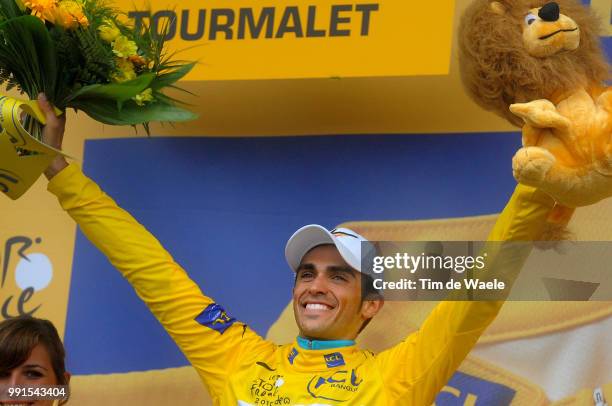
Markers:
(82, 56)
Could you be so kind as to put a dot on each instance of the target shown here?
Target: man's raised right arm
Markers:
(213, 342)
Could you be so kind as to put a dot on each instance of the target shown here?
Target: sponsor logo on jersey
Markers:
(215, 317)
(339, 386)
(292, 355)
(334, 360)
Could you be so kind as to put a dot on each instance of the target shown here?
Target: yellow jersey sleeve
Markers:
(213, 342)
(415, 369)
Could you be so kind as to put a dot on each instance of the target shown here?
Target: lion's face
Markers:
(546, 31)
(516, 51)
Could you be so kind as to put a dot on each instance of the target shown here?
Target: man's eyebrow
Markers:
(343, 269)
(332, 268)
(305, 266)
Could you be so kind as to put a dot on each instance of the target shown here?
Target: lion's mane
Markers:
(497, 70)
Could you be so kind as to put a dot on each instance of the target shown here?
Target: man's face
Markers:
(327, 297)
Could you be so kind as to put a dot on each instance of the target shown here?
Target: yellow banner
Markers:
(304, 39)
(35, 264)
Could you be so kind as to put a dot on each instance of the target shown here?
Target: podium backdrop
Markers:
(314, 113)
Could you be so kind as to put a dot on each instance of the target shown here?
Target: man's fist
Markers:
(53, 134)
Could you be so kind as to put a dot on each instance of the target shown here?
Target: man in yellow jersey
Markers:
(322, 366)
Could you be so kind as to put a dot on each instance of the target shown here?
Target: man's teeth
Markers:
(317, 306)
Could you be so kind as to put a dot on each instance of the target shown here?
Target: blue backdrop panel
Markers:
(225, 208)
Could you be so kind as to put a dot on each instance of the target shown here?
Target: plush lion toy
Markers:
(539, 64)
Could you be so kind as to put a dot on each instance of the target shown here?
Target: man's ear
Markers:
(498, 8)
(370, 308)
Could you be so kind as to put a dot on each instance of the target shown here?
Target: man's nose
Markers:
(318, 285)
(550, 12)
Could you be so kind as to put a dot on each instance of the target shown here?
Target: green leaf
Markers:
(29, 53)
(10, 9)
(106, 112)
(119, 92)
(167, 79)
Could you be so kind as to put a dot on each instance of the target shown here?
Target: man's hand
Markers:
(52, 135)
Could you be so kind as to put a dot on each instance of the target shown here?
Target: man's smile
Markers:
(316, 307)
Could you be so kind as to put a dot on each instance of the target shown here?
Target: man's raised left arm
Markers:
(417, 369)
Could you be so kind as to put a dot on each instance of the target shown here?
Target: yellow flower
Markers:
(43, 9)
(69, 15)
(108, 31)
(123, 47)
(125, 71)
(144, 96)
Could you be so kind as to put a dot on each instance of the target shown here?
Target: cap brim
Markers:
(310, 236)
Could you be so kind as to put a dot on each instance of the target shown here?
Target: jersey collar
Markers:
(307, 344)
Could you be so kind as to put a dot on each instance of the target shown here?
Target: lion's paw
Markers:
(540, 114)
(531, 164)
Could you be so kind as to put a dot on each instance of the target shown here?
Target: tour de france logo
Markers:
(25, 272)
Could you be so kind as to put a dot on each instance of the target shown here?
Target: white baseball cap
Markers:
(348, 243)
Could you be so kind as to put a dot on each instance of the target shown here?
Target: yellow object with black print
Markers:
(23, 158)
